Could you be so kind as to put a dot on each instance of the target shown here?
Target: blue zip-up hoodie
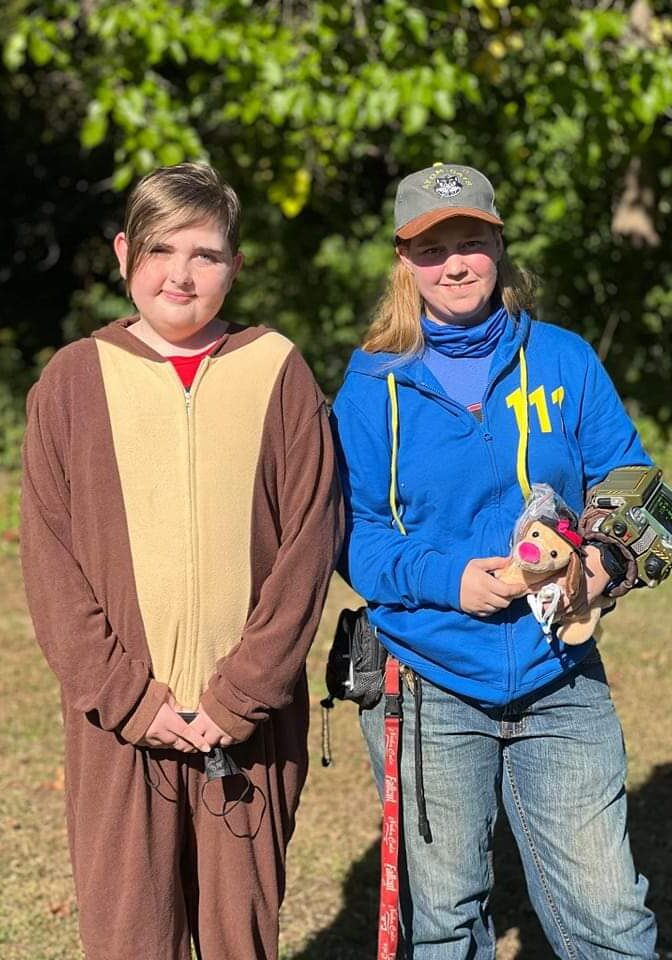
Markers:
(459, 498)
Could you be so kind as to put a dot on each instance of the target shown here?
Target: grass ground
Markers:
(329, 913)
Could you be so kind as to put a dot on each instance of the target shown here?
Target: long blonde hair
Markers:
(395, 327)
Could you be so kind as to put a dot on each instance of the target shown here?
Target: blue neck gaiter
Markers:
(455, 341)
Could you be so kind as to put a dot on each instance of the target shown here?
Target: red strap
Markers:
(388, 917)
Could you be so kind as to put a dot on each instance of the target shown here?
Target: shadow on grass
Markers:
(651, 838)
(352, 935)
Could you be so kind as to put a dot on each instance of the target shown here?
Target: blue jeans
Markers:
(556, 761)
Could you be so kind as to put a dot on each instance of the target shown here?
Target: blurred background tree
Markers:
(313, 110)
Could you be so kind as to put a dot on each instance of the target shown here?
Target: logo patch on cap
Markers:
(448, 186)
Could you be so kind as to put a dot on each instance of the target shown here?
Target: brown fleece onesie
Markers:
(182, 543)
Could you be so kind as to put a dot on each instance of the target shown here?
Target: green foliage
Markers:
(11, 405)
(658, 443)
(9, 511)
(313, 111)
(12, 425)
(92, 307)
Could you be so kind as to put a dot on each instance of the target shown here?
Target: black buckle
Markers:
(393, 706)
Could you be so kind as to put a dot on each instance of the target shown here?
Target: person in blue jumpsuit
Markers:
(457, 402)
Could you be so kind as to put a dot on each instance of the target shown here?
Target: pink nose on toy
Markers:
(529, 552)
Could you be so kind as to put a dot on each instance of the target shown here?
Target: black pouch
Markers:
(356, 663)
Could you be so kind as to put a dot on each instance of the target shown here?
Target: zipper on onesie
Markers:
(192, 613)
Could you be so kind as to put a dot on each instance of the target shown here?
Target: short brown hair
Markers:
(170, 198)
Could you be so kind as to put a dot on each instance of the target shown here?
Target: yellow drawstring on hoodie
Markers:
(521, 454)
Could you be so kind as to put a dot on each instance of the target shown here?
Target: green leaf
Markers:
(39, 48)
(272, 72)
(555, 209)
(170, 153)
(390, 41)
(14, 51)
(178, 52)
(347, 111)
(291, 193)
(122, 176)
(130, 108)
(94, 128)
(414, 118)
(279, 105)
(157, 40)
(417, 23)
(145, 160)
(444, 104)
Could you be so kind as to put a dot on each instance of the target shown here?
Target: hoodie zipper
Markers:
(192, 637)
(191, 552)
(487, 438)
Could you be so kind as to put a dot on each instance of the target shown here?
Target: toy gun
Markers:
(633, 507)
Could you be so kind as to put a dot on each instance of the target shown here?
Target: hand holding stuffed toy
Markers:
(548, 555)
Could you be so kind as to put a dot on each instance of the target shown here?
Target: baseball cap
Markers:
(439, 192)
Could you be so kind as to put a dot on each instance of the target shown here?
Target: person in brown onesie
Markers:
(180, 522)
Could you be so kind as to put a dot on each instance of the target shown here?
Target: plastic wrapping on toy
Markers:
(543, 504)
(545, 507)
